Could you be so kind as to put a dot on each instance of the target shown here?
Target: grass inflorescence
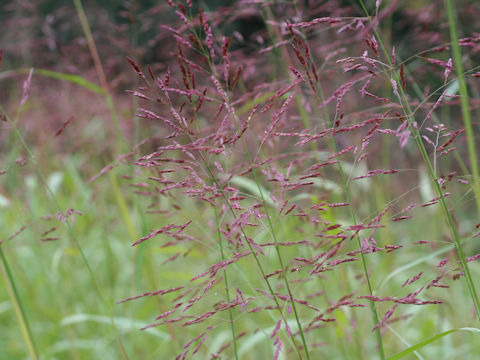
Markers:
(303, 178)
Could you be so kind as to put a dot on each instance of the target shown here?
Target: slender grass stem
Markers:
(254, 254)
(251, 248)
(237, 125)
(274, 32)
(464, 103)
(279, 255)
(227, 287)
(423, 152)
(121, 141)
(319, 94)
(18, 307)
(271, 228)
(113, 114)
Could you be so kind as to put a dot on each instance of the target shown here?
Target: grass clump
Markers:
(302, 190)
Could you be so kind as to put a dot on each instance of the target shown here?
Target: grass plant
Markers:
(300, 181)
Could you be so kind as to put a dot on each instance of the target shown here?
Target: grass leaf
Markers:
(123, 323)
(420, 345)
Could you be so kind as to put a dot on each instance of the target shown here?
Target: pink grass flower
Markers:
(26, 87)
(395, 87)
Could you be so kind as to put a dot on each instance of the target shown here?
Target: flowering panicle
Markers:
(253, 177)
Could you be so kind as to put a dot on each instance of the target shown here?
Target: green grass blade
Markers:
(123, 323)
(253, 188)
(120, 199)
(464, 103)
(420, 345)
(74, 79)
(227, 287)
(17, 307)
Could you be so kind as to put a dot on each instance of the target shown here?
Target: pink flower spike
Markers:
(395, 88)
(442, 262)
(275, 330)
(404, 136)
(26, 87)
(448, 68)
(393, 54)
(277, 351)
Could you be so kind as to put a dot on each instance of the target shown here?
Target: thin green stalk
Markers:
(121, 141)
(230, 110)
(112, 110)
(123, 206)
(373, 309)
(270, 224)
(227, 288)
(346, 191)
(307, 124)
(265, 205)
(464, 103)
(253, 252)
(279, 255)
(451, 223)
(10, 282)
(423, 152)
(98, 65)
(319, 94)
(18, 307)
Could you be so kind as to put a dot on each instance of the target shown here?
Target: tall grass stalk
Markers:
(227, 287)
(347, 198)
(276, 38)
(270, 226)
(121, 143)
(253, 252)
(18, 309)
(424, 154)
(257, 261)
(98, 67)
(464, 103)
(233, 116)
(319, 95)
